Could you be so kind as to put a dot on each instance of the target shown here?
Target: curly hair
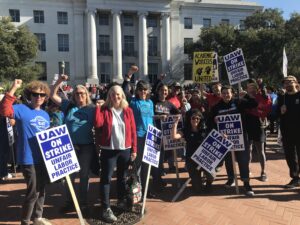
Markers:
(36, 86)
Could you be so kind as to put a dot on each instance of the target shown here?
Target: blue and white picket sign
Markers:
(152, 146)
(211, 151)
(231, 125)
(168, 142)
(10, 132)
(58, 152)
(236, 67)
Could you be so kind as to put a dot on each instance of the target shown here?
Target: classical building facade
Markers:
(99, 39)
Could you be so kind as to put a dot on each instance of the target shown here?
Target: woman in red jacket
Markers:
(118, 144)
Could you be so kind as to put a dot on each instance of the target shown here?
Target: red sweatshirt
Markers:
(264, 107)
(103, 119)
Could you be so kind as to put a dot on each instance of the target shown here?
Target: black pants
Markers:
(291, 148)
(109, 160)
(36, 178)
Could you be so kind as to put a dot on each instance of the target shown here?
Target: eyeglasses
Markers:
(195, 118)
(80, 93)
(42, 95)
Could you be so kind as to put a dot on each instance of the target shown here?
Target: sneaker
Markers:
(248, 190)
(229, 183)
(218, 169)
(7, 177)
(263, 177)
(67, 208)
(208, 187)
(293, 183)
(41, 221)
(109, 216)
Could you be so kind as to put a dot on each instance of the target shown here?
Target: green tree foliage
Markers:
(292, 28)
(18, 48)
(262, 40)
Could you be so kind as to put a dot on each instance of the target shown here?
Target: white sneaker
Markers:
(7, 177)
(41, 221)
(109, 216)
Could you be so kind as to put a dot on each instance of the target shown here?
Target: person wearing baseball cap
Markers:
(288, 110)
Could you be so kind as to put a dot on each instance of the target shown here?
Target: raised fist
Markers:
(134, 68)
(64, 77)
(17, 83)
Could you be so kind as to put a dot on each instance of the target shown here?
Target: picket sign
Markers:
(172, 144)
(231, 125)
(11, 140)
(60, 158)
(208, 155)
(151, 155)
(236, 67)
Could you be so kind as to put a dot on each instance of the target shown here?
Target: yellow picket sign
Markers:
(203, 67)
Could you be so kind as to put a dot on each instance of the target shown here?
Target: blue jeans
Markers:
(109, 160)
(84, 154)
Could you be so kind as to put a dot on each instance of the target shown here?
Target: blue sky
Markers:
(287, 6)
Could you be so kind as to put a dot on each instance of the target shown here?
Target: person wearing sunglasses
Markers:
(194, 132)
(30, 119)
(143, 111)
(79, 117)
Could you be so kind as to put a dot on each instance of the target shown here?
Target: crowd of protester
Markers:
(111, 121)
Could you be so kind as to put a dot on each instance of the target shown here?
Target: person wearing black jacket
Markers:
(288, 110)
(194, 133)
(229, 105)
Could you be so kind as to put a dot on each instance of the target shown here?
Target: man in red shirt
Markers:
(215, 97)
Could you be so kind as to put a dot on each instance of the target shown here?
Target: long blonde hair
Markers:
(109, 104)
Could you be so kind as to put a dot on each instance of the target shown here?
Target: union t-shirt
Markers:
(29, 121)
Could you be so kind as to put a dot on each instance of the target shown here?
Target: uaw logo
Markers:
(40, 123)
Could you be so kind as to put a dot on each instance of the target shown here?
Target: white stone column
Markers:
(166, 43)
(92, 47)
(143, 46)
(117, 47)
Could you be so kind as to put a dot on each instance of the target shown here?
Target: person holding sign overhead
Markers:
(118, 144)
(30, 119)
(228, 105)
(79, 118)
(194, 132)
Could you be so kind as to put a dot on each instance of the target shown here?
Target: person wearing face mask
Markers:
(288, 111)
(118, 143)
(229, 105)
